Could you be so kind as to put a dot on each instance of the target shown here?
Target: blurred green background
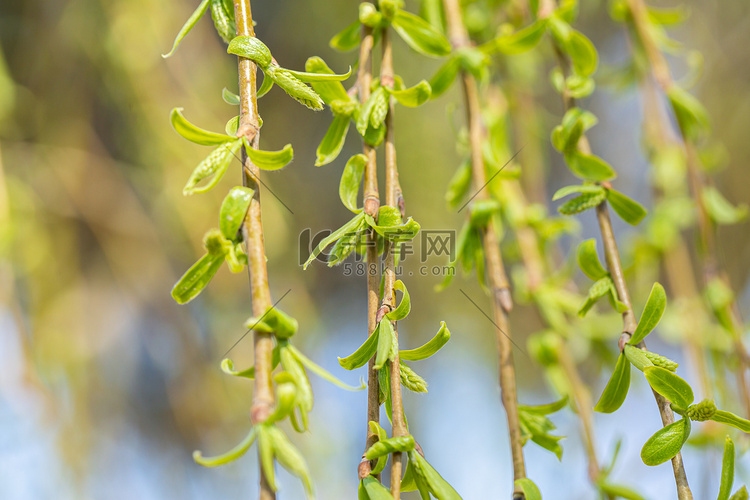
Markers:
(107, 385)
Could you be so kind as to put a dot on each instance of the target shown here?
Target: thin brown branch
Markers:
(252, 230)
(392, 196)
(498, 281)
(696, 181)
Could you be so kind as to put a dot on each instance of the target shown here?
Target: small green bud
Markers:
(369, 15)
(702, 411)
(388, 8)
(660, 360)
(582, 202)
(216, 243)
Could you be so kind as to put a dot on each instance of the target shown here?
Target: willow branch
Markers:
(708, 251)
(252, 231)
(498, 281)
(371, 206)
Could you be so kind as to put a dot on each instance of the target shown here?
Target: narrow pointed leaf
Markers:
(431, 347)
(265, 453)
(362, 355)
(740, 494)
(351, 226)
(189, 24)
(270, 160)
(325, 76)
(546, 409)
(727, 470)
(617, 387)
(390, 445)
(413, 96)
(402, 310)
(438, 486)
(229, 456)
(375, 490)
(518, 42)
(223, 21)
(420, 35)
(291, 459)
(652, 313)
(728, 418)
(628, 209)
(444, 77)
(346, 39)
(328, 91)
(568, 190)
(196, 278)
(588, 260)
(265, 86)
(666, 443)
(333, 141)
(670, 385)
(351, 179)
(195, 134)
(322, 372)
(619, 491)
(385, 343)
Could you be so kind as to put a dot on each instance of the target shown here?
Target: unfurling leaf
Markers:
(431, 347)
(230, 97)
(617, 387)
(353, 226)
(413, 96)
(628, 209)
(582, 202)
(195, 134)
(329, 91)
(530, 490)
(373, 111)
(385, 343)
(666, 443)
(223, 20)
(434, 482)
(233, 210)
(229, 456)
(324, 76)
(652, 313)
(720, 209)
(189, 24)
(274, 321)
(690, 113)
(212, 167)
(233, 124)
(251, 48)
(322, 372)
(333, 141)
(588, 260)
(420, 35)
(362, 355)
(521, 41)
(347, 39)
(351, 179)
(290, 458)
(403, 308)
(670, 385)
(545, 409)
(390, 445)
(444, 77)
(270, 160)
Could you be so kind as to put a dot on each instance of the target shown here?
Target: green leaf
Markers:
(325, 76)
(530, 490)
(420, 35)
(390, 445)
(346, 39)
(637, 358)
(582, 53)
(265, 87)
(230, 97)
(728, 418)
(333, 141)
(375, 490)
(229, 456)
(413, 96)
(385, 343)
(617, 387)
(403, 308)
(233, 210)
(389, 225)
(196, 278)
(670, 385)
(590, 167)
(322, 372)
(438, 486)
(727, 470)
(598, 290)
(690, 113)
(265, 453)
(617, 490)
(652, 313)
(195, 134)
(362, 355)
(270, 160)
(233, 124)
(227, 366)
(212, 167)
(459, 185)
(350, 227)
(666, 443)
(629, 210)
(329, 91)
(588, 260)
(444, 77)
(516, 43)
(223, 21)
(374, 105)
(719, 208)
(290, 458)
(545, 409)
(740, 494)
(251, 48)
(568, 190)
(351, 179)
(431, 347)
(189, 24)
